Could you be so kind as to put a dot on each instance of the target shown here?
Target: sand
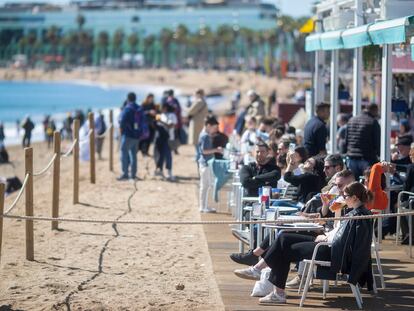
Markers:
(186, 80)
(104, 267)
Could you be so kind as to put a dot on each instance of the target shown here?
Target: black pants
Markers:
(291, 247)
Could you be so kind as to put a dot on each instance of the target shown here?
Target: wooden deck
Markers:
(235, 292)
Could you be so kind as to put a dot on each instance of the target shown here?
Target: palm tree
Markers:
(181, 37)
(86, 46)
(52, 38)
(133, 41)
(102, 44)
(149, 51)
(70, 43)
(118, 41)
(166, 37)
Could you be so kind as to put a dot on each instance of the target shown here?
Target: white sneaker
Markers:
(249, 273)
(294, 283)
(171, 177)
(272, 298)
(208, 210)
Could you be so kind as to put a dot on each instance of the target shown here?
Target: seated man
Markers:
(264, 172)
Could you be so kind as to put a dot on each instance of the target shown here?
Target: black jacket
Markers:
(363, 138)
(253, 176)
(351, 249)
(307, 183)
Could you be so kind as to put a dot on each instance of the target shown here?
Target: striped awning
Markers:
(331, 40)
(313, 43)
(356, 37)
(392, 31)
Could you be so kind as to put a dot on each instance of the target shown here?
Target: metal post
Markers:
(334, 100)
(386, 89)
(357, 64)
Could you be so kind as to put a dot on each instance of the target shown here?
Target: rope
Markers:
(47, 166)
(210, 222)
(86, 137)
(104, 133)
(26, 178)
(65, 155)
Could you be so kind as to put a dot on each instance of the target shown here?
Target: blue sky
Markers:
(289, 7)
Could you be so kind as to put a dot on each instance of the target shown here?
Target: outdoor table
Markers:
(292, 227)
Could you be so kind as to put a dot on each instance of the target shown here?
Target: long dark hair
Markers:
(357, 189)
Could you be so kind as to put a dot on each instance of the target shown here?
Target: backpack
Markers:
(140, 128)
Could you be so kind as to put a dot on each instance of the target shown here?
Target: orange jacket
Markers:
(380, 200)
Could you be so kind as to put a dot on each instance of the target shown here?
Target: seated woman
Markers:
(310, 182)
(349, 253)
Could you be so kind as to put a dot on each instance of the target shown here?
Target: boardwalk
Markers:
(235, 292)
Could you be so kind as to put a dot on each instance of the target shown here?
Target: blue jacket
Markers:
(127, 121)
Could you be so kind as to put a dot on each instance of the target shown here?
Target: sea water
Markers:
(19, 99)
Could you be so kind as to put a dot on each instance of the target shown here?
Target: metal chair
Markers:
(312, 263)
(405, 206)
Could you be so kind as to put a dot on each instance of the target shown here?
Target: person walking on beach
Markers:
(50, 129)
(206, 152)
(148, 106)
(2, 136)
(196, 114)
(173, 102)
(28, 127)
(100, 128)
(166, 134)
(131, 124)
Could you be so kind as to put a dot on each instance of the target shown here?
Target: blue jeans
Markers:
(165, 155)
(357, 166)
(129, 149)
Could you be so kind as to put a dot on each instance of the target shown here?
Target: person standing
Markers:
(131, 124)
(256, 106)
(2, 136)
(100, 128)
(150, 111)
(206, 152)
(166, 135)
(197, 113)
(28, 127)
(316, 132)
(173, 102)
(363, 141)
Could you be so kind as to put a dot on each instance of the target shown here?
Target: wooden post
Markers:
(28, 157)
(92, 147)
(76, 124)
(1, 214)
(111, 141)
(56, 179)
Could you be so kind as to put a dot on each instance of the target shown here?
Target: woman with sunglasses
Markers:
(350, 252)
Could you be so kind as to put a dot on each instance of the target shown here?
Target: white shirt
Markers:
(170, 119)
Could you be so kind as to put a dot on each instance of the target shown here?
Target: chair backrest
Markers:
(291, 192)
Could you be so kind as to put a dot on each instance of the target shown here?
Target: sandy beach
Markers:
(186, 80)
(104, 267)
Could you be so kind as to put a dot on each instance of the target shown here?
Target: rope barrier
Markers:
(104, 133)
(208, 222)
(19, 195)
(67, 153)
(47, 166)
